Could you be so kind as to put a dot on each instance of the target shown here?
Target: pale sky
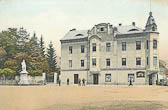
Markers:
(54, 18)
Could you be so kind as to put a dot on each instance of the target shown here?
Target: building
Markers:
(112, 55)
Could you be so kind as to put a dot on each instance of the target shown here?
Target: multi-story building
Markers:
(107, 54)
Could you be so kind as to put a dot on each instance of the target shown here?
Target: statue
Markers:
(23, 75)
(23, 65)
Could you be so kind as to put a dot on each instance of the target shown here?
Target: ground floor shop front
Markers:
(138, 77)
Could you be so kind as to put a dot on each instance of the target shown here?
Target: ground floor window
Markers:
(107, 77)
(140, 74)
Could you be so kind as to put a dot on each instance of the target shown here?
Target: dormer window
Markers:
(79, 35)
(133, 30)
(102, 29)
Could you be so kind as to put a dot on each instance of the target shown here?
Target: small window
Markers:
(82, 49)
(147, 60)
(94, 62)
(124, 62)
(102, 29)
(155, 61)
(70, 49)
(123, 46)
(82, 63)
(133, 30)
(94, 47)
(108, 47)
(138, 61)
(79, 35)
(155, 44)
(70, 63)
(138, 45)
(107, 62)
(140, 74)
(107, 77)
(147, 44)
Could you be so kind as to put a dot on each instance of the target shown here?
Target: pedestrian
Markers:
(59, 81)
(68, 81)
(130, 81)
(79, 82)
(83, 80)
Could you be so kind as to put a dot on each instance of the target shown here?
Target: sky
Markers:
(54, 18)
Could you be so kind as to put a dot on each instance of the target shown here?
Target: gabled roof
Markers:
(75, 34)
(128, 29)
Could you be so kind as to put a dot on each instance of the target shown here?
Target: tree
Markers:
(42, 48)
(51, 57)
(6, 72)
(22, 38)
(33, 45)
(10, 63)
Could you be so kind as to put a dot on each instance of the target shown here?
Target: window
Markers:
(107, 77)
(70, 63)
(138, 61)
(82, 49)
(82, 63)
(138, 45)
(155, 61)
(123, 61)
(107, 62)
(147, 44)
(70, 49)
(94, 47)
(147, 61)
(140, 74)
(108, 46)
(94, 62)
(155, 44)
(123, 46)
(102, 29)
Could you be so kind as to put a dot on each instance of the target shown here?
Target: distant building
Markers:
(107, 54)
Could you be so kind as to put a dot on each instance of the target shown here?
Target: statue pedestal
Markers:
(23, 78)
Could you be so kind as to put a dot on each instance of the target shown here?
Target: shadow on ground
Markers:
(112, 105)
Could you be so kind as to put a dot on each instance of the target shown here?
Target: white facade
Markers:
(111, 55)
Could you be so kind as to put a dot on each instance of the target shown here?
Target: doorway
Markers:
(76, 77)
(95, 79)
(150, 79)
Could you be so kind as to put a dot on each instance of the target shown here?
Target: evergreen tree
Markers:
(42, 48)
(51, 57)
(22, 38)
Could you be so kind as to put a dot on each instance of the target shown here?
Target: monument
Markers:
(23, 75)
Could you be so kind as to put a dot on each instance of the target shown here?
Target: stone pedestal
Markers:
(23, 78)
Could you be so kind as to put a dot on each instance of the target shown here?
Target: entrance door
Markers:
(76, 77)
(150, 79)
(95, 78)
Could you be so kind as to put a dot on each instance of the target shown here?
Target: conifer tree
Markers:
(51, 57)
(42, 47)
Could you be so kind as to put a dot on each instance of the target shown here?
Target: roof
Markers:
(75, 34)
(128, 29)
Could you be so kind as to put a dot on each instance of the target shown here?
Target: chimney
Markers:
(133, 23)
(120, 24)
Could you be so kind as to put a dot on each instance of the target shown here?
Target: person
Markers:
(79, 82)
(59, 81)
(68, 81)
(83, 80)
(130, 81)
